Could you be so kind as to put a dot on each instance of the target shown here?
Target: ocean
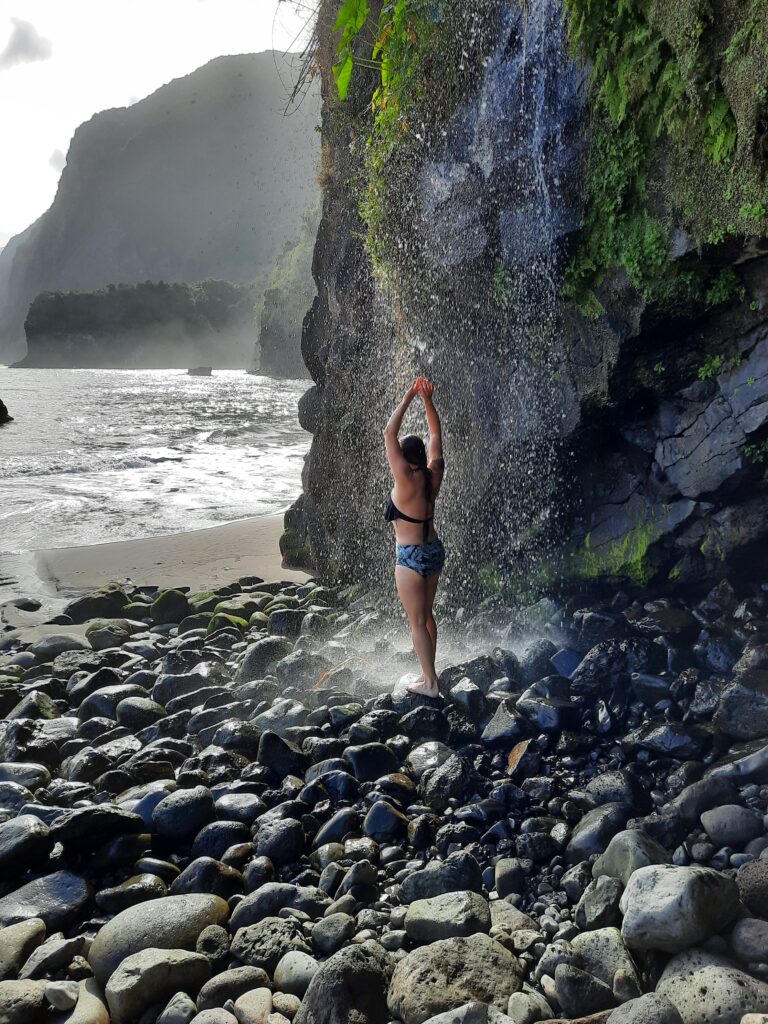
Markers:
(105, 455)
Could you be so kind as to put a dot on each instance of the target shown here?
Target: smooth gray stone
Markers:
(172, 922)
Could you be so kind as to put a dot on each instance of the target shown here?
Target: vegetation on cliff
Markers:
(679, 140)
(679, 130)
(426, 53)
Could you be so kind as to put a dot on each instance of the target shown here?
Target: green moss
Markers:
(678, 110)
(426, 54)
(711, 547)
(489, 581)
(221, 620)
(624, 559)
(296, 553)
(675, 572)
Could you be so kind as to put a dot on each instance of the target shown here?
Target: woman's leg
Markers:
(432, 582)
(412, 589)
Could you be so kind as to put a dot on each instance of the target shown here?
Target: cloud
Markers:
(57, 160)
(24, 46)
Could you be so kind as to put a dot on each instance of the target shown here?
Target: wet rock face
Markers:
(659, 475)
(271, 849)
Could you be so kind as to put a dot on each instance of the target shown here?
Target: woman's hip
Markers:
(425, 559)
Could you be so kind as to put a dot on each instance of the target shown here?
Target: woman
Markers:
(418, 475)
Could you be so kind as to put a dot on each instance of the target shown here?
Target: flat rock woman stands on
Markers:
(418, 475)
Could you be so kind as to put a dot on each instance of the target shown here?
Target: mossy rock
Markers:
(242, 606)
(205, 601)
(198, 620)
(169, 606)
(296, 554)
(107, 601)
(105, 633)
(283, 601)
(258, 619)
(220, 621)
(137, 610)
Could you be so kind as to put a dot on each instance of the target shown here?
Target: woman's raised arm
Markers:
(435, 450)
(397, 462)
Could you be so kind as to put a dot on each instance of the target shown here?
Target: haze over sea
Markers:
(105, 455)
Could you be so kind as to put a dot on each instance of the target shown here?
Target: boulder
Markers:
(56, 899)
(458, 872)
(295, 972)
(16, 943)
(447, 974)
(448, 916)
(349, 987)
(749, 940)
(266, 943)
(151, 976)
(595, 831)
(603, 953)
(651, 1008)
(731, 825)
(672, 908)
(627, 852)
(709, 989)
(25, 841)
(23, 1002)
(173, 922)
(752, 880)
(49, 647)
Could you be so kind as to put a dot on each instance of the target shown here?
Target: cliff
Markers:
(564, 226)
(205, 178)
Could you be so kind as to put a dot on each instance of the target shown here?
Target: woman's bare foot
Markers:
(424, 689)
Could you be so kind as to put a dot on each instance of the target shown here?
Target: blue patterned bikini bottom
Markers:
(425, 559)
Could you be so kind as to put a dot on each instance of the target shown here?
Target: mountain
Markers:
(206, 178)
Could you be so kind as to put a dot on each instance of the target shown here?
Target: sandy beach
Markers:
(198, 559)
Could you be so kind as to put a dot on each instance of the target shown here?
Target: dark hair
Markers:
(415, 453)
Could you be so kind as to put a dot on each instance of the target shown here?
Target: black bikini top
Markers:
(393, 512)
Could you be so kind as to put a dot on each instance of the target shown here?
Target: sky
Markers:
(61, 61)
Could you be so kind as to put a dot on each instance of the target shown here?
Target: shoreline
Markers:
(209, 557)
(200, 559)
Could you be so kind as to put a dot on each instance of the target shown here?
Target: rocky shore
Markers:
(213, 811)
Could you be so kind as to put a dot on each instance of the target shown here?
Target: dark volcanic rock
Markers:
(370, 761)
(455, 779)
(752, 880)
(595, 831)
(459, 872)
(743, 710)
(76, 829)
(506, 727)
(25, 841)
(280, 840)
(351, 986)
(56, 899)
(612, 662)
(182, 814)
